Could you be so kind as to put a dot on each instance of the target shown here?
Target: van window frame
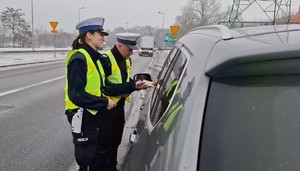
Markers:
(174, 52)
(163, 79)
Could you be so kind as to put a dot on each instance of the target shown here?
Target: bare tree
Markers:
(143, 30)
(199, 13)
(111, 39)
(64, 39)
(23, 35)
(3, 39)
(44, 38)
(15, 25)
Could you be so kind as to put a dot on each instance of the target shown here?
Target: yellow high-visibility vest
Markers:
(93, 85)
(116, 76)
(172, 86)
(174, 110)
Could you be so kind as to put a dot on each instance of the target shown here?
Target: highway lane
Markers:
(34, 131)
(21, 76)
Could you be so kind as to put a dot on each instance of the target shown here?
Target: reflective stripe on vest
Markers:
(116, 76)
(172, 86)
(176, 108)
(172, 113)
(93, 85)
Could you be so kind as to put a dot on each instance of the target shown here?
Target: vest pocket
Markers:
(86, 145)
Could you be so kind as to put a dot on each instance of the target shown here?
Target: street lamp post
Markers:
(126, 25)
(163, 27)
(79, 13)
(32, 40)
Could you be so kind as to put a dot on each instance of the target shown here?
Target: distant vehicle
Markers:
(147, 46)
(227, 100)
(162, 47)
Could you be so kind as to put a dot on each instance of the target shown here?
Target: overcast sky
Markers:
(116, 12)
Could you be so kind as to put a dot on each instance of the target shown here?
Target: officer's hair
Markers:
(80, 40)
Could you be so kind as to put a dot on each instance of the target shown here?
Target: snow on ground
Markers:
(17, 58)
(30, 49)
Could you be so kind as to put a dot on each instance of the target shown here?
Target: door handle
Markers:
(142, 106)
(133, 137)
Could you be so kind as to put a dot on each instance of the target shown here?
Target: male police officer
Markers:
(118, 72)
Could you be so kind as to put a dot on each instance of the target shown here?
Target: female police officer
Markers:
(85, 102)
(83, 96)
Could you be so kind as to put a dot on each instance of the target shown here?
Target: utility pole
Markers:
(126, 25)
(163, 27)
(79, 13)
(32, 37)
(271, 9)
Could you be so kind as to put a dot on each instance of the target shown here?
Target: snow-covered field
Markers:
(30, 49)
(17, 58)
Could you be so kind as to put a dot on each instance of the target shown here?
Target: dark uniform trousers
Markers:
(91, 146)
(112, 128)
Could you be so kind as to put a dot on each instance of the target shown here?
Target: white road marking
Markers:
(33, 85)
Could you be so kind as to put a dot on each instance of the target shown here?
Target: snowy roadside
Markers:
(20, 58)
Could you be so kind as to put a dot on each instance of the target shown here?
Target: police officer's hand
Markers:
(155, 83)
(141, 85)
(111, 104)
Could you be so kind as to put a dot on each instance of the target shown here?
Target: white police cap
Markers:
(90, 24)
(128, 39)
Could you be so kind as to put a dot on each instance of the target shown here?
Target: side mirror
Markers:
(142, 76)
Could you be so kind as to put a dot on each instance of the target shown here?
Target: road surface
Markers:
(35, 134)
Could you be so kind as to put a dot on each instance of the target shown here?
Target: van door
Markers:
(146, 150)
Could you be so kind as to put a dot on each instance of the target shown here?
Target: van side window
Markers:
(168, 84)
(167, 63)
(252, 119)
(166, 66)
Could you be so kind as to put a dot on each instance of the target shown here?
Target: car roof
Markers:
(252, 50)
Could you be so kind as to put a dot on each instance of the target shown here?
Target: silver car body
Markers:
(170, 132)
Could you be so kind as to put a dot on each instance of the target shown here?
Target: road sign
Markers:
(54, 31)
(174, 29)
(167, 37)
(53, 24)
(174, 36)
(170, 38)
